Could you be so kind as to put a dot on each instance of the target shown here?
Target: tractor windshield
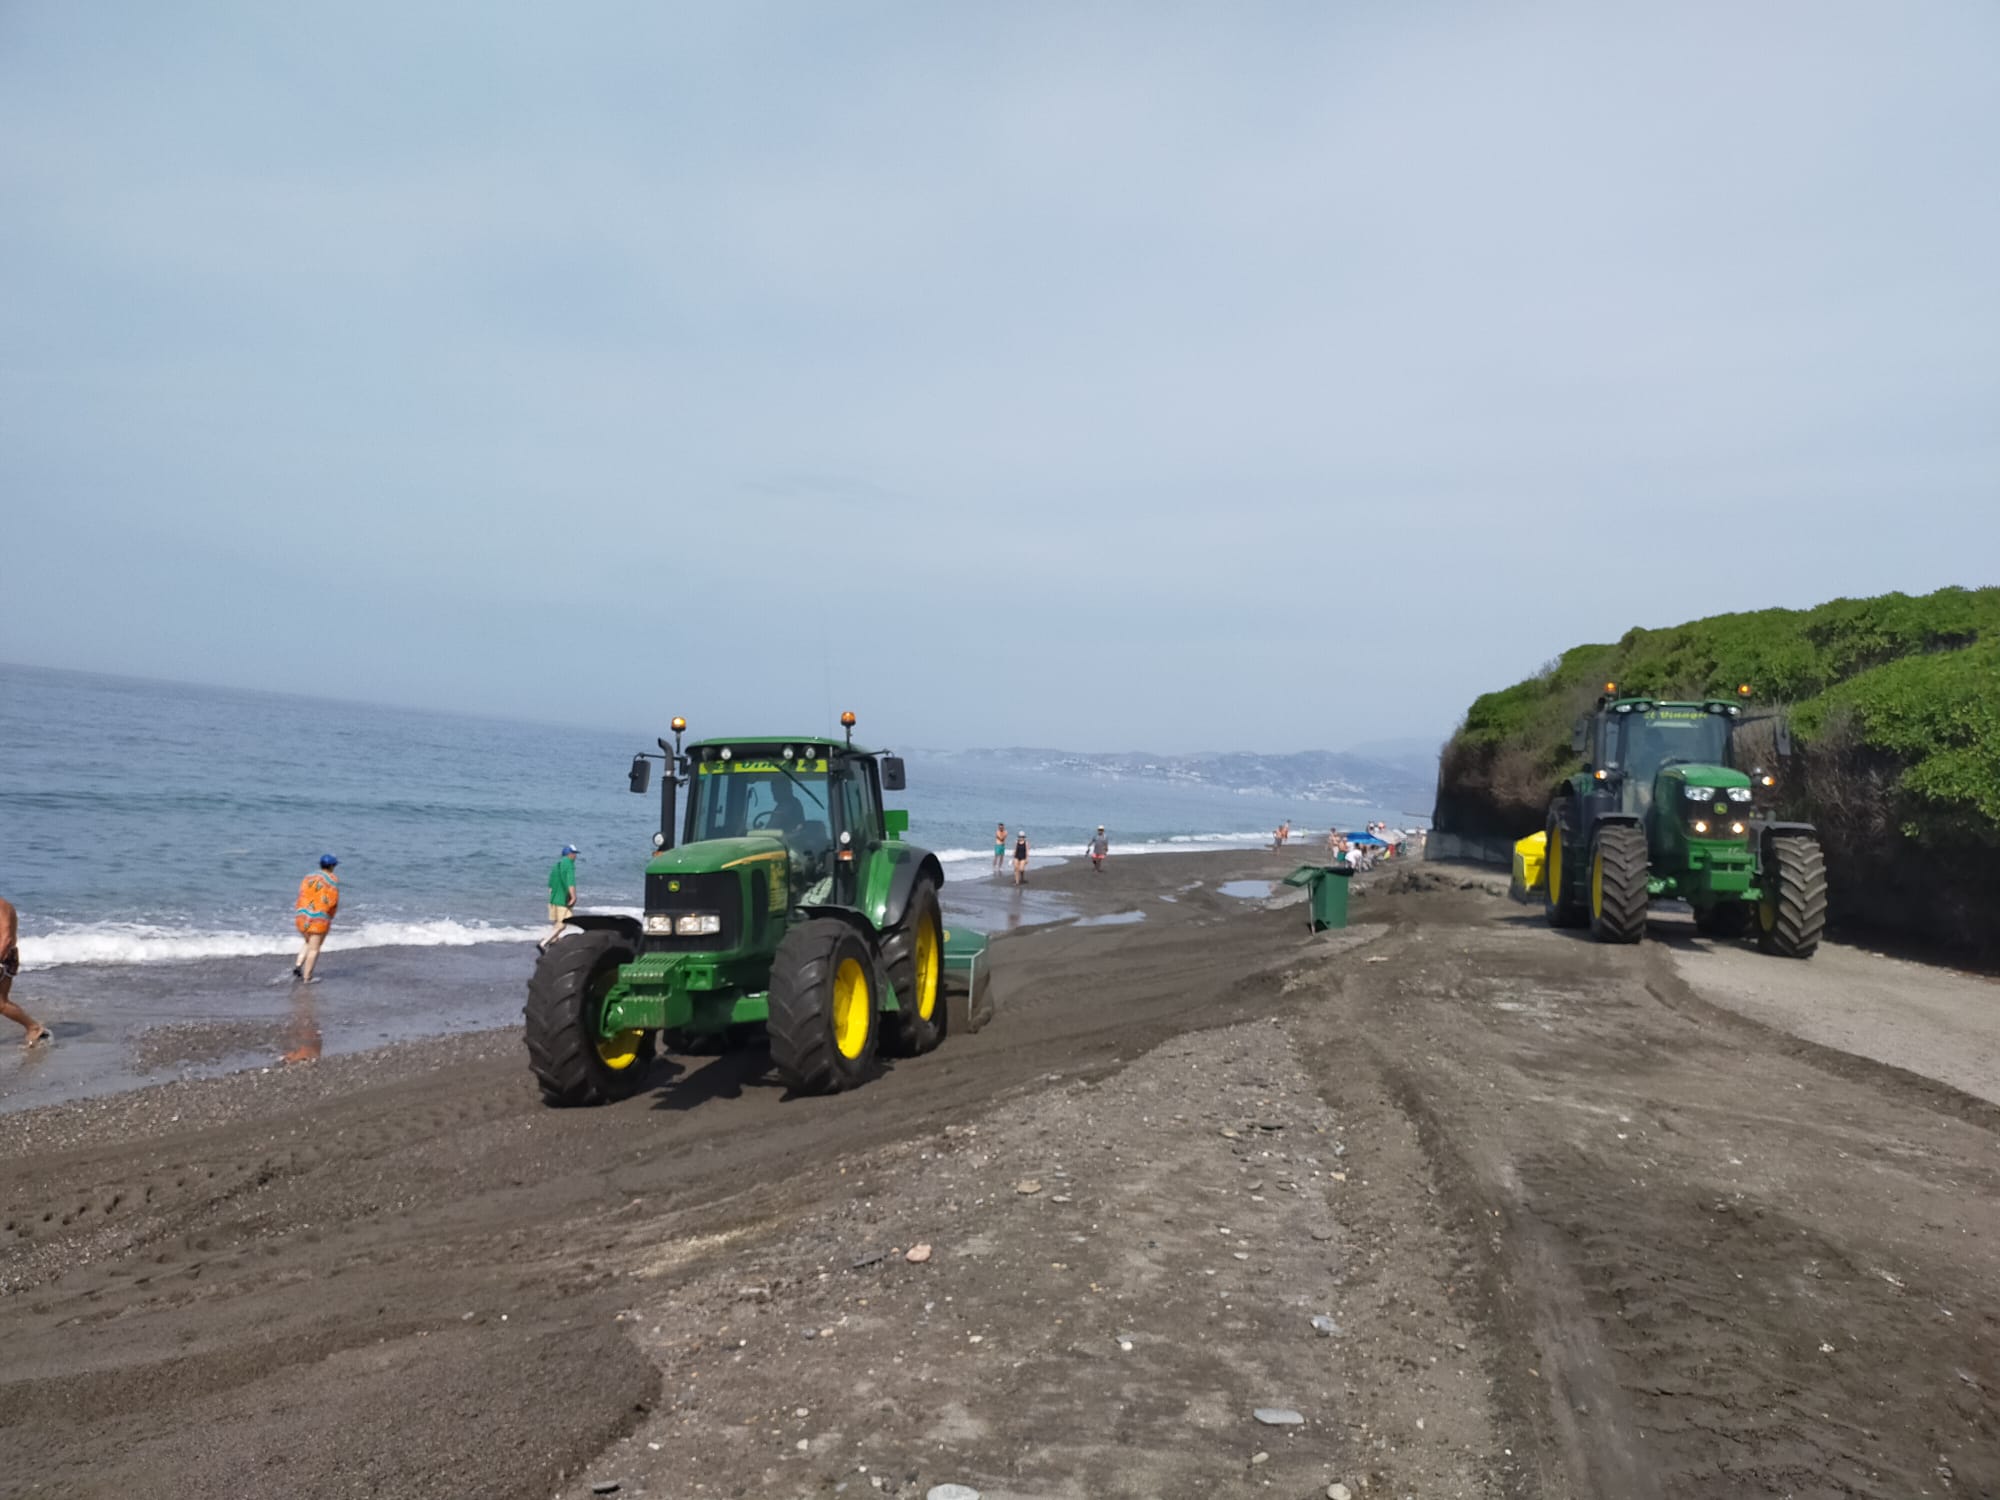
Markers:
(735, 797)
(1644, 743)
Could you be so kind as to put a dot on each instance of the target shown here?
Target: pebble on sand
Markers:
(1339, 1492)
(951, 1492)
(1279, 1416)
(1026, 1186)
(918, 1254)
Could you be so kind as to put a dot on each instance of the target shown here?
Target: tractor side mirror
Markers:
(893, 777)
(1579, 736)
(642, 773)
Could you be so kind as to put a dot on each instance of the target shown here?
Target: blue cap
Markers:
(327, 861)
(569, 848)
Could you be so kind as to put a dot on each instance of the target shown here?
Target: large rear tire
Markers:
(572, 1060)
(824, 1018)
(1559, 902)
(913, 955)
(1618, 876)
(1792, 914)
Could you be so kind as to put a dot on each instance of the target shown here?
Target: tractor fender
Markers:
(904, 880)
(592, 921)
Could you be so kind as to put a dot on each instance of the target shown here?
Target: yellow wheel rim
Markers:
(1555, 865)
(1597, 884)
(621, 1049)
(928, 966)
(853, 1013)
(1767, 913)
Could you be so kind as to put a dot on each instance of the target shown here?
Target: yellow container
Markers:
(1530, 863)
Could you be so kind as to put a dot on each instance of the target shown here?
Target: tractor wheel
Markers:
(1726, 920)
(1618, 876)
(823, 1007)
(1792, 914)
(1559, 901)
(571, 1060)
(913, 955)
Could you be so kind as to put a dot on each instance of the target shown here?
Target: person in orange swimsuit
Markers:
(319, 899)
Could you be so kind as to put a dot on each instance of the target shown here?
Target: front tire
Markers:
(824, 1017)
(1792, 914)
(914, 956)
(1559, 903)
(1618, 877)
(572, 1060)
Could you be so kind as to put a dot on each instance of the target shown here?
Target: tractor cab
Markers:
(1630, 742)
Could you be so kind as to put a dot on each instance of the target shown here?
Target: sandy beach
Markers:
(1563, 1212)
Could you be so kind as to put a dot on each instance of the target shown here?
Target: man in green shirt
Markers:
(562, 893)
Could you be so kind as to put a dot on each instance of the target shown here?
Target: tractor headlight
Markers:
(660, 924)
(1740, 794)
(1700, 825)
(1737, 829)
(697, 924)
(1697, 793)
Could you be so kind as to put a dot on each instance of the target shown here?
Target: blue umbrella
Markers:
(1366, 838)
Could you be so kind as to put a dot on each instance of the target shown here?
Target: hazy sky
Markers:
(1260, 376)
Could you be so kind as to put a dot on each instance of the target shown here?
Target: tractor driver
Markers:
(787, 817)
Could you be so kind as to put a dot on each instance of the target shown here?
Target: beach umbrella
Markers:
(1367, 838)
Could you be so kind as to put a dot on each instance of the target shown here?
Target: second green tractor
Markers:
(1660, 812)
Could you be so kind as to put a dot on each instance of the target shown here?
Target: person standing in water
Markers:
(1021, 858)
(10, 965)
(562, 893)
(319, 899)
(1099, 847)
(999, 846)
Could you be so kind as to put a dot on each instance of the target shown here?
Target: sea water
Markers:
(153, 835)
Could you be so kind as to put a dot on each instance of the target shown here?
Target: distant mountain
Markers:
(1406, 782)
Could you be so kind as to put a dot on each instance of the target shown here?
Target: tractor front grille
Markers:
(719, 891)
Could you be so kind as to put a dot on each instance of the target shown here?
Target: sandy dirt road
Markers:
(1574, 1227)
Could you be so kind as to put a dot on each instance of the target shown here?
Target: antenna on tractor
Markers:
(847, 723)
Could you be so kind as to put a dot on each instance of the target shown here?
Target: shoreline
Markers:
(185, 1022)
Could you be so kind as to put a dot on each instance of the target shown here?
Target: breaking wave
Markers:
(140, 943)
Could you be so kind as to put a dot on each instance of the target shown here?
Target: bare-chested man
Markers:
(10, 965)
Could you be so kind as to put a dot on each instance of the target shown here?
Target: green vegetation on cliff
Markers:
(1894, 704)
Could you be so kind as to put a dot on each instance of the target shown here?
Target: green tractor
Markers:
(1659, 812)
(791, 904)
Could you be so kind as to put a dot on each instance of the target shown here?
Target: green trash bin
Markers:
(1326, 893)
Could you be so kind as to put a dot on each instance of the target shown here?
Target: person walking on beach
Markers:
(319, 899)
(10, 965)
(999, 846)
(1099, 847)
(562, 894)
(1021, 858)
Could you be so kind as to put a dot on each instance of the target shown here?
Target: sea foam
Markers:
(140, 943)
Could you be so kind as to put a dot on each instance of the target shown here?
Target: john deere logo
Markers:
(1722, 807)
(674, 885)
